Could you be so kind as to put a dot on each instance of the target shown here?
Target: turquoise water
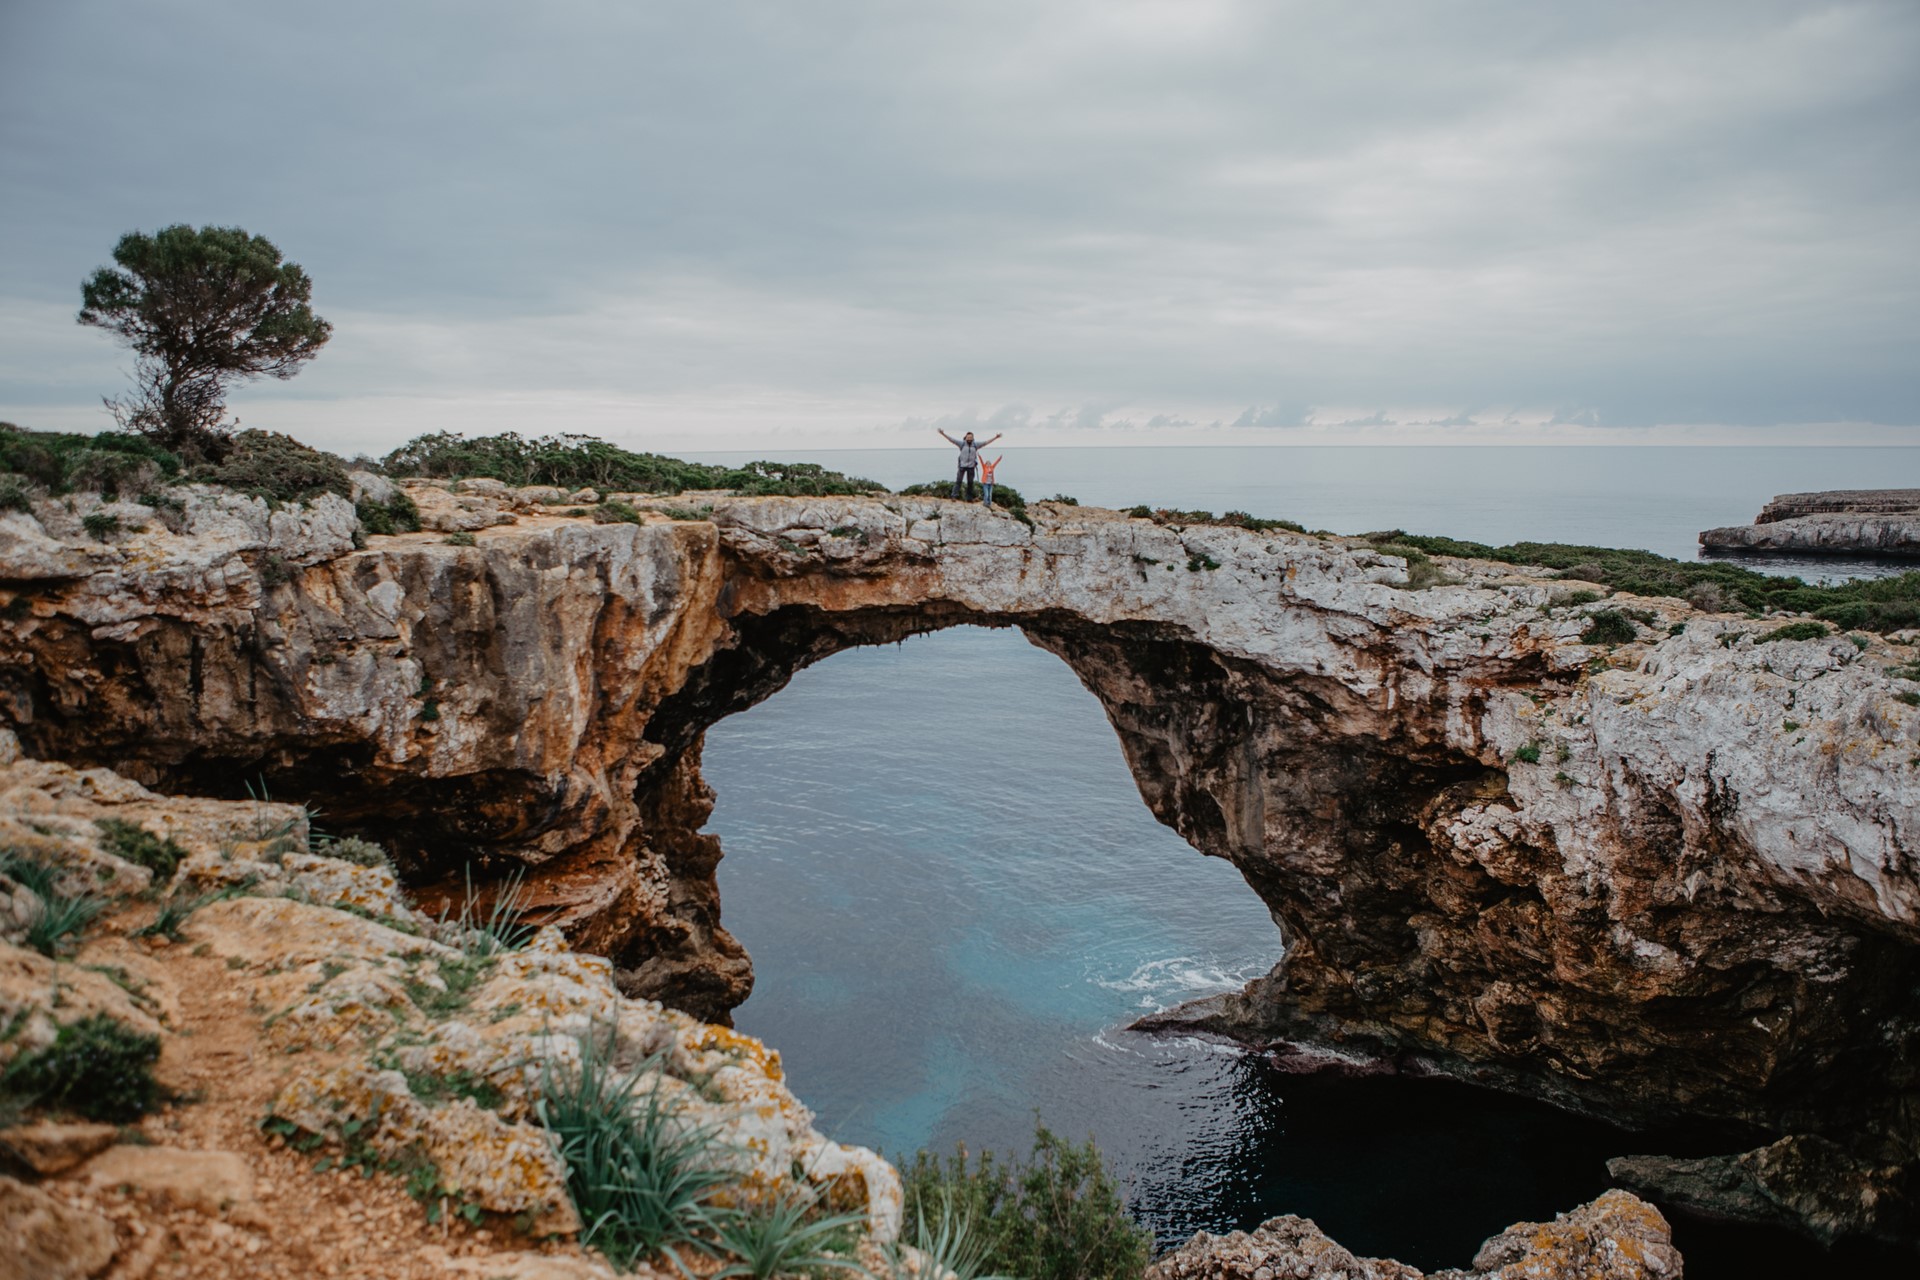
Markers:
(956, 901)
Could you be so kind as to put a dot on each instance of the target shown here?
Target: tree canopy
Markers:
(202, 308)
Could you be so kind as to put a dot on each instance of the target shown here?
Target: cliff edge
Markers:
(1632, 857)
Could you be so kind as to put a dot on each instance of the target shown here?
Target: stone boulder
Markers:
(45, 1239)
(1802, 1182)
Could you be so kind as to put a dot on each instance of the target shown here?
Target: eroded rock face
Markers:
(1836, 522)
(1672, 876)
(1616, 1237)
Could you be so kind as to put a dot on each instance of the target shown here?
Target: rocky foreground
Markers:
(1634, 857)
(1834, 522)
(348, 1085)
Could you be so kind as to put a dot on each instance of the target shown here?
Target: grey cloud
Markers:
(1149, 210)
(1274, 416)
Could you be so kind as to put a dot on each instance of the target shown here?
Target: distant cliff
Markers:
(1836, 522)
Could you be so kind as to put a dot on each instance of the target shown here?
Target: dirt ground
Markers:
(299, 1223)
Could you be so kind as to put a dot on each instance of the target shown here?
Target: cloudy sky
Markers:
(836, 222)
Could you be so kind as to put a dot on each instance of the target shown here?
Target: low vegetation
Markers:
(1057, 1215)
(112, 463)
(399, 514)
(276, 467)
(1796, 631)
(97, 1067)
(616, 513)
(141, 847)
(1228, 520)
(53, 917)
(786, 1235)
(1005, 497)
(639, 1178)
(577, 462)
(1608, 626)
(1863, 604)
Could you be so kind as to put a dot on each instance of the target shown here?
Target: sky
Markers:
(842, 223)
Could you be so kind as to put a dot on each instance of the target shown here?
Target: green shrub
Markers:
(639, 1175)
(61, 462)
(1421, 570)
(97, 1067)
(1005, 497)
(702, 512)
(55, 916)
(100, 525)
(361, 853)
(1861, 604)
(140, 846)
(792, 479)
(1064, 500)
(399, 514)
(278, 468)
(1241, 520)
(1909, 696)
(1056, 1216)
(576, 462)
(14, 495)
(1608, 626)
(1795, 631)
(1529, 754)
(459, 540)
(616, 513)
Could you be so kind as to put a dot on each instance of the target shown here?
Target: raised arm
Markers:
(989, 440)
(949, 439)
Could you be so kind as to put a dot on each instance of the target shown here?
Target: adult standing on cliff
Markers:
(969, 458)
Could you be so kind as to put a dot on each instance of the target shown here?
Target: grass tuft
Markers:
(784, 1235)
(639, 1174)
(55, 916)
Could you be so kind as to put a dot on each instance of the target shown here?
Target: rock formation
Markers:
(1667, 877)
(304, 988)
(1836, 522)
(1617, 1237)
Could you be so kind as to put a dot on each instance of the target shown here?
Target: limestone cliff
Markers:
(1673, 875)
(1835, 522)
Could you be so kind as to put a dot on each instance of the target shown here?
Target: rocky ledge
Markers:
(1632, 857)
(306, 1017)
(1835, 522)
(1617, 1237)
(305, 1013)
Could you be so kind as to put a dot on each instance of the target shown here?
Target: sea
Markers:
(956, 901)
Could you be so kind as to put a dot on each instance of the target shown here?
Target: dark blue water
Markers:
(956, 900)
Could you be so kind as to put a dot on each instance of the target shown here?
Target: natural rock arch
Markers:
(1693, 920)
